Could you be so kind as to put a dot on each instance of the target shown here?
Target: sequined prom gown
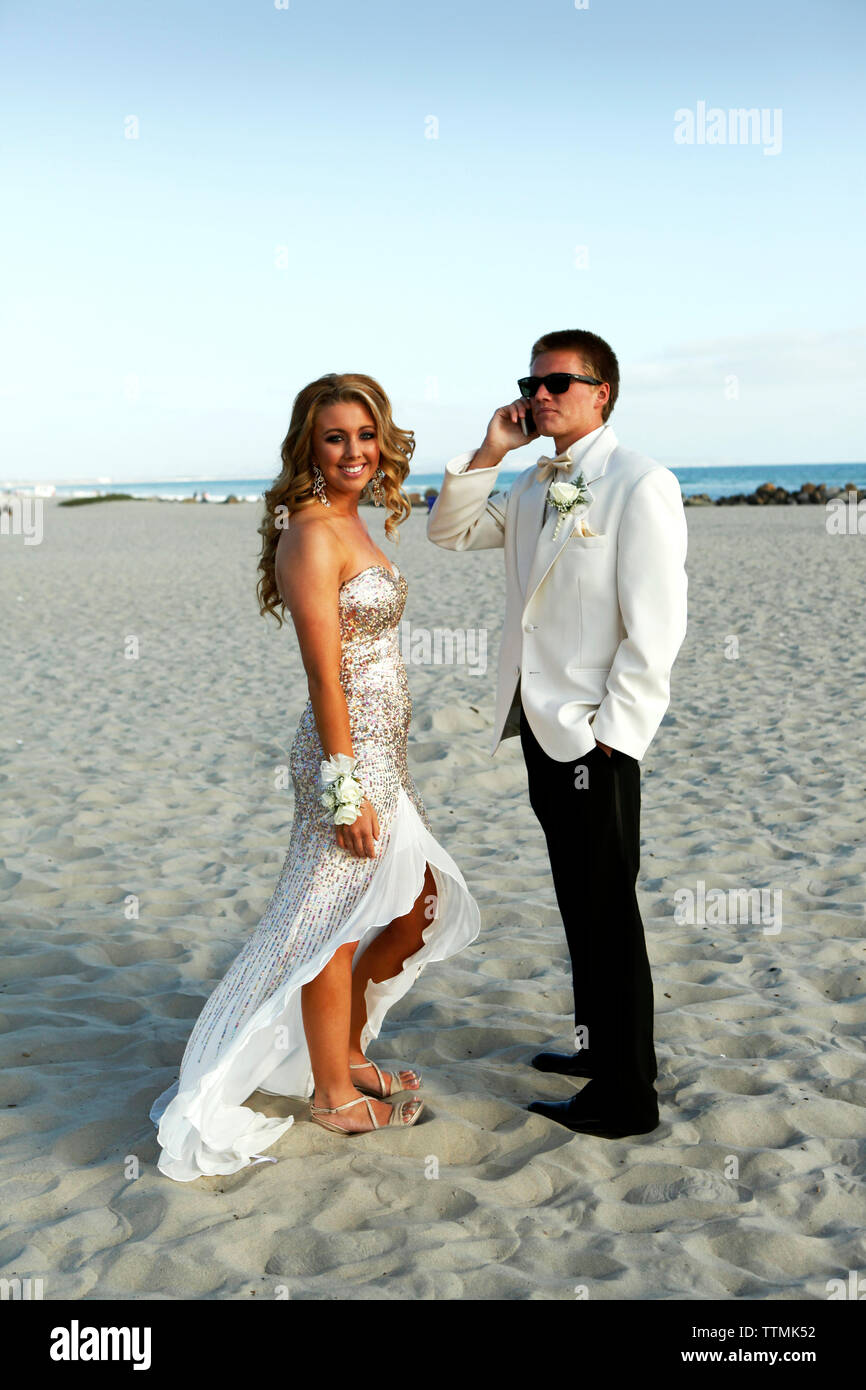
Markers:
(249, 1035)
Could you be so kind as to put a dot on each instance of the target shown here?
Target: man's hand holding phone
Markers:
(511, 426)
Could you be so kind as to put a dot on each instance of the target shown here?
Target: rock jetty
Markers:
(769, 495)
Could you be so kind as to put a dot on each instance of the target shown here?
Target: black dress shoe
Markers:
(590, 1119)
(565, 1063)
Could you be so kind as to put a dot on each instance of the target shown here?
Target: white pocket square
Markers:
(577, 535)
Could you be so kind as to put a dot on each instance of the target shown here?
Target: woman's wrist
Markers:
(342, 793)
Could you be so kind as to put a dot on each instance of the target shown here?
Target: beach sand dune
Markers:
(148, 712)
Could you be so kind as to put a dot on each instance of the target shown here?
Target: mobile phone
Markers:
(527, 424)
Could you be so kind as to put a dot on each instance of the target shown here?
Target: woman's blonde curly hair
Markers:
(293, 489)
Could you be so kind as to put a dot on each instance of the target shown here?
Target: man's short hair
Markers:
(597, 356)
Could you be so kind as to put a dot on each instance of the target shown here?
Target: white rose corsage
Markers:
(565, 497)
(342, 794)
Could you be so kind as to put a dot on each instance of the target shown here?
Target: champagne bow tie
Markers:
(550, 467)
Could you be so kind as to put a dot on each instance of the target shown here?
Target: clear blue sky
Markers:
(150, 266)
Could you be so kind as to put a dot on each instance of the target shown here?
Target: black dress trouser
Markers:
(589, 810)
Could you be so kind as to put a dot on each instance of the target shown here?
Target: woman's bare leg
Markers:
(326, 1006)
(382, 960)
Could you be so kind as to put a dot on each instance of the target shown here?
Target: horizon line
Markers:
(421, 472)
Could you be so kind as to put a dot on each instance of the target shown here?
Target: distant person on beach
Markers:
(595, 613)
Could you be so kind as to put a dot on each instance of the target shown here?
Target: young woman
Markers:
(367, 897)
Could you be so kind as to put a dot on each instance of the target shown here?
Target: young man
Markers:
(595, 615)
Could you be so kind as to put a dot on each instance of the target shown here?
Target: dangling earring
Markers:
(319, 485)
(378, 489)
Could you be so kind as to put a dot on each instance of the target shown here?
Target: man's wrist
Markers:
(485, 457)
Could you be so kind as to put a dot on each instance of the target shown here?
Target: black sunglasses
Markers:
(556, 382)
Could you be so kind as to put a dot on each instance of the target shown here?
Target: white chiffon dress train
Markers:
(249, 1036)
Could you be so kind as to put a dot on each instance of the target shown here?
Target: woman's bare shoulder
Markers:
(310, 546)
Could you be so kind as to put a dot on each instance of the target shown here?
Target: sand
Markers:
(142, 833)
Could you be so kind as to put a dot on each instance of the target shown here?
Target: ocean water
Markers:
(723, 482)
(716, 482)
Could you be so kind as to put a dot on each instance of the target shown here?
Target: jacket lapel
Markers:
(535, 561)
(530, 516)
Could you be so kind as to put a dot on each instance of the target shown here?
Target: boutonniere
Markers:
(566, 498)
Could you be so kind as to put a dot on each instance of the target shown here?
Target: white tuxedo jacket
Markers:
(592, 623)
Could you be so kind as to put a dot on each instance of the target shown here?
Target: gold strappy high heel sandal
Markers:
(395, 1081)
(396, 1117)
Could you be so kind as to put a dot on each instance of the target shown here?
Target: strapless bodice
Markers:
(371, 604)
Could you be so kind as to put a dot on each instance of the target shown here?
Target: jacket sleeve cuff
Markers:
(617, 738)
(459, 464)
